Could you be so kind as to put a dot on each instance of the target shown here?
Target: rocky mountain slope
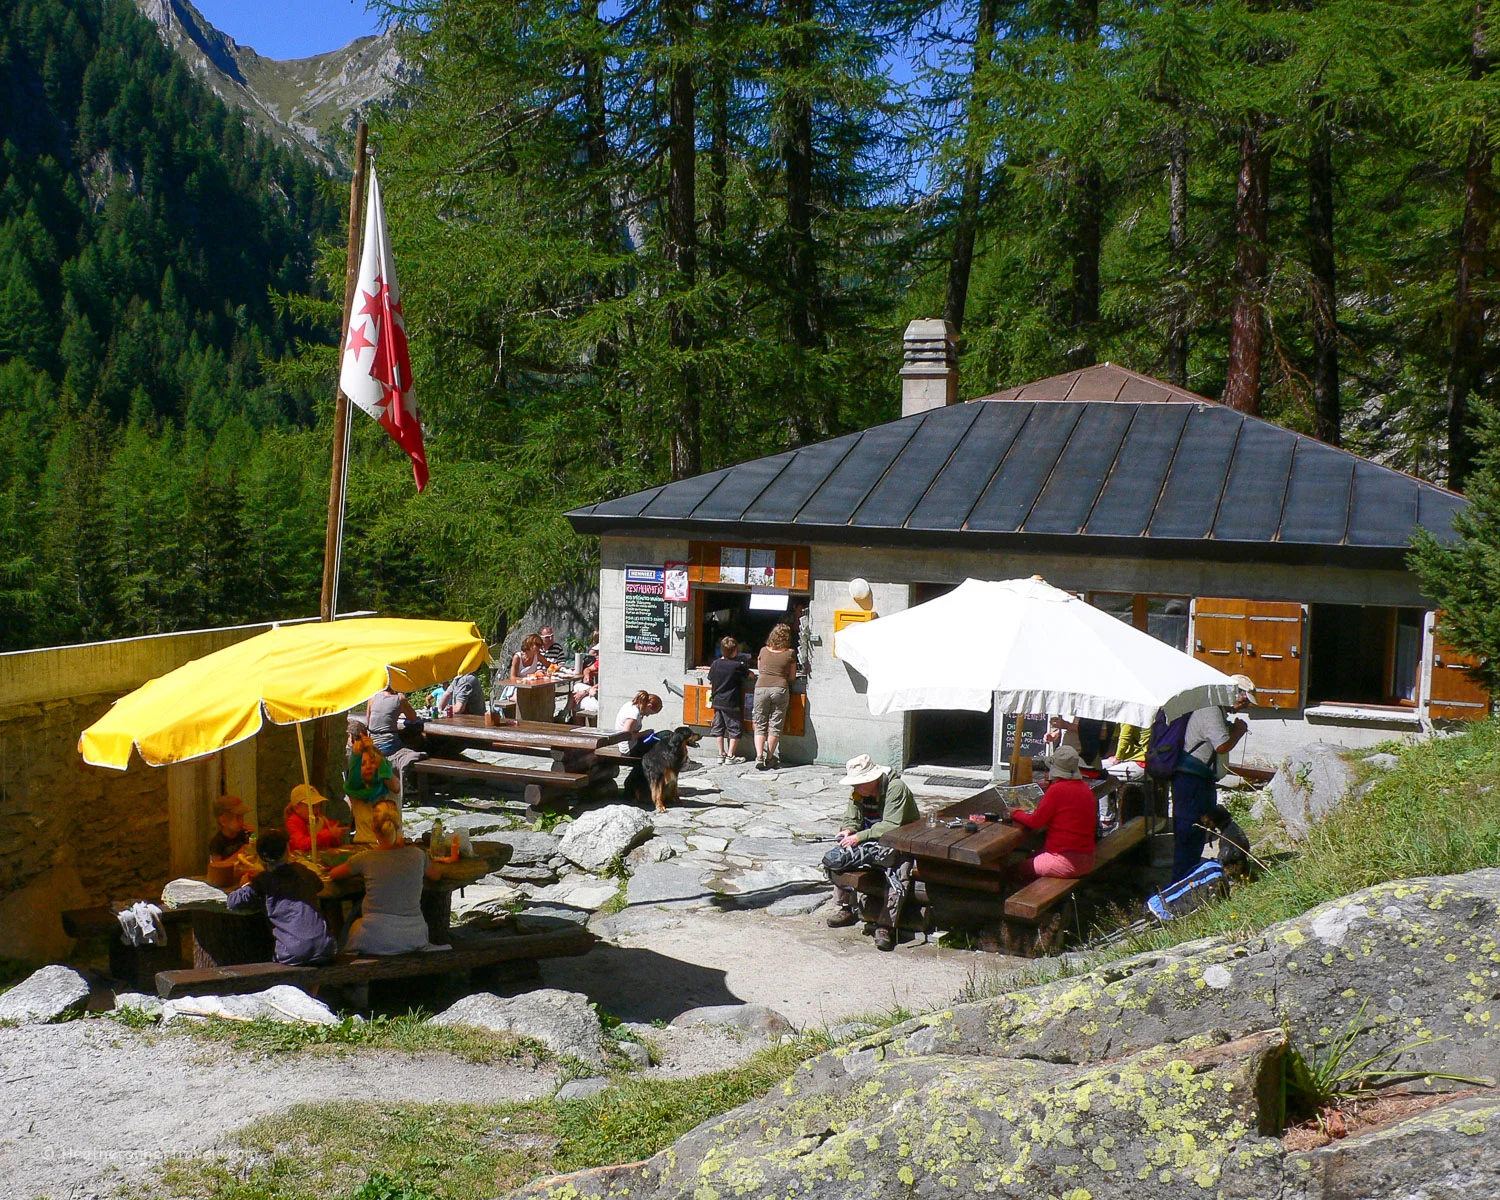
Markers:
(1154, 1078)
(307, 103)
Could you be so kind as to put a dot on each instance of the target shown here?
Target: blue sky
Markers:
(290, 28)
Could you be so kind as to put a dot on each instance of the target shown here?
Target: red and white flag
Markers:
(376, 371)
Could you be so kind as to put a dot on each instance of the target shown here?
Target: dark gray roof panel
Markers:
(1069, 494)
(1190, 500)
(680, 498)
(1383, 508)
(810, 466)
(1099, 459)
(740, 488)
(1130, 493)
(1033, 456)
(1316, 511)
(1251, 508)
(851, 481)
(919, 463)
(946, 503)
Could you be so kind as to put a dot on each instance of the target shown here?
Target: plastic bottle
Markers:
(436, 840)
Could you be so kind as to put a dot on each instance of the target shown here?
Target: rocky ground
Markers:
(1158, 1076)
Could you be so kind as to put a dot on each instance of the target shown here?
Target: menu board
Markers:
(1032, 732)
(647, 628)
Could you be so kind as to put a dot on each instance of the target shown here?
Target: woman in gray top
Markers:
(390, 920)
(382, 715)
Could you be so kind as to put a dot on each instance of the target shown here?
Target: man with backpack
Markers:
(1188, 751)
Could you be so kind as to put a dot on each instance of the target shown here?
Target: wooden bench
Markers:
(1034, 901)
(470, 950)
(539, 785)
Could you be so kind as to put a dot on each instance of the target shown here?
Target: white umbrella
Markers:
(1030, 648)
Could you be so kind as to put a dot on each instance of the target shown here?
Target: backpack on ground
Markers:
(1166, 745)
(1206, 882)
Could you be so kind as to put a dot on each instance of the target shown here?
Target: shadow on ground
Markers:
(636, 984)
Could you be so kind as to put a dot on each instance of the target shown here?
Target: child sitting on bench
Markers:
(289, 894)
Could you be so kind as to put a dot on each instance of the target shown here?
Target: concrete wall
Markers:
(73, 835)
(839, 720)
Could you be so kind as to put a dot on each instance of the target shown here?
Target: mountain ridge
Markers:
(309, 104)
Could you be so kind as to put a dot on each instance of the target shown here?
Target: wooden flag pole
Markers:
(333, 536)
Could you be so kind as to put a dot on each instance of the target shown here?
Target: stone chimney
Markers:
(930, 377)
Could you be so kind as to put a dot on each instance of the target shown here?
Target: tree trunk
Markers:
(1325, 327)
(966, 224)
(1177, 335)
(1087, 231)
(1466, 367)
(718, 141)
(596, 143)
(1246, 327)
(682, 227)
(802, 265)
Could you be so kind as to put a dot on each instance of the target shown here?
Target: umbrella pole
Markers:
(312, 809)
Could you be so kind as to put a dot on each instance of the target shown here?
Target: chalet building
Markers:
(1246, 544)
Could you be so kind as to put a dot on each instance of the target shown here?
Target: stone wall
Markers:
(72, 835)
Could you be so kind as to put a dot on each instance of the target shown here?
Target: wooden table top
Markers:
(536, 681)
(988, 846)
(522, 736)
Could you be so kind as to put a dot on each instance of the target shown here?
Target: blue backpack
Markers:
(1165, 750)
(1190, 892)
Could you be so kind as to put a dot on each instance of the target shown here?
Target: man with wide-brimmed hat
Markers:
(878, 804)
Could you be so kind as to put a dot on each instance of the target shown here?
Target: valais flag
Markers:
(376, 371)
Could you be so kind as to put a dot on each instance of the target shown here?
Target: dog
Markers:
(656, 774)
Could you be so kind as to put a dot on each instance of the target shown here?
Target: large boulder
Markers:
(47, 995)
(1157, 1076)
(564, 1022)
(597, 838)
(1310, 783)
(755, 1019)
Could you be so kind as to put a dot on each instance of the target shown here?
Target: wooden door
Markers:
(1275, 640)
(1456, 696)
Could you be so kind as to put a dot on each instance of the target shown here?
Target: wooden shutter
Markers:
(793, 564)
(1219, 633)
(1455, 695)
(1259, 638)
(1275, 641)
(696, 709)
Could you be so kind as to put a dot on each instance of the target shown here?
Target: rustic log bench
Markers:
(470, 950)
(540, 786)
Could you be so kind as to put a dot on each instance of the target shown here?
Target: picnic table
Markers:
(960, 875)
(581, 755)
(536, 695)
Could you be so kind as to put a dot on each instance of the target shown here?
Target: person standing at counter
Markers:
(726, 684)
(775, 670)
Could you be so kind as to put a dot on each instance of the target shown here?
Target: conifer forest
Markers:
(640, 240)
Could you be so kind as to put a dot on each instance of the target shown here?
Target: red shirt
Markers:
(299, 836)
(1070, 815)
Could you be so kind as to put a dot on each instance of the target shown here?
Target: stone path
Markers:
(723, 903)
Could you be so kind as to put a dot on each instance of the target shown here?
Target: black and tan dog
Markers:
(656, 774)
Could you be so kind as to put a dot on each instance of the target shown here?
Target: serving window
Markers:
(1164, 617)
(744, 615)
(1365, 654)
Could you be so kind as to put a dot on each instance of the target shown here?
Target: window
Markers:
(1164, 617)
(729, 613)
(1364, 654)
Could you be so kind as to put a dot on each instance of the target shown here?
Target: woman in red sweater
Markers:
(1070, 814)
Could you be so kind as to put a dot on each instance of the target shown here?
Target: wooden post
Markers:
(312, 809)
(1016, 767)
(333, 536)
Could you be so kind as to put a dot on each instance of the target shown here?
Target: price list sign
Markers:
(647, 629)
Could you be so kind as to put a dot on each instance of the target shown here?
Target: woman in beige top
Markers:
(775, 670)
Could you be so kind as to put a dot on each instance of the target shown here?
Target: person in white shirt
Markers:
(1195, 782)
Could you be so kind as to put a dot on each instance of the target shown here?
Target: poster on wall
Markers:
(1033, 731)
(647, 630)
(732, 564)
(677, 582)
(762, 569)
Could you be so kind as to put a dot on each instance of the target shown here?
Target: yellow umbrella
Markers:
(292, 673)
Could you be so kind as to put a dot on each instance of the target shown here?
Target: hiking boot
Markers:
(841, 919)
(736, 760)
(761, 764)
(885, 939)
(773, 762)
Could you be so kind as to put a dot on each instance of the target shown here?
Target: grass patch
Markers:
(1437, 812)
(406, 1032)
(369, 1151)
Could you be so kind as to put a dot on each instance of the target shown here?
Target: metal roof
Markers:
(1101, 460)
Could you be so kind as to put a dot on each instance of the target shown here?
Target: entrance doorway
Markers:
(949, 737)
